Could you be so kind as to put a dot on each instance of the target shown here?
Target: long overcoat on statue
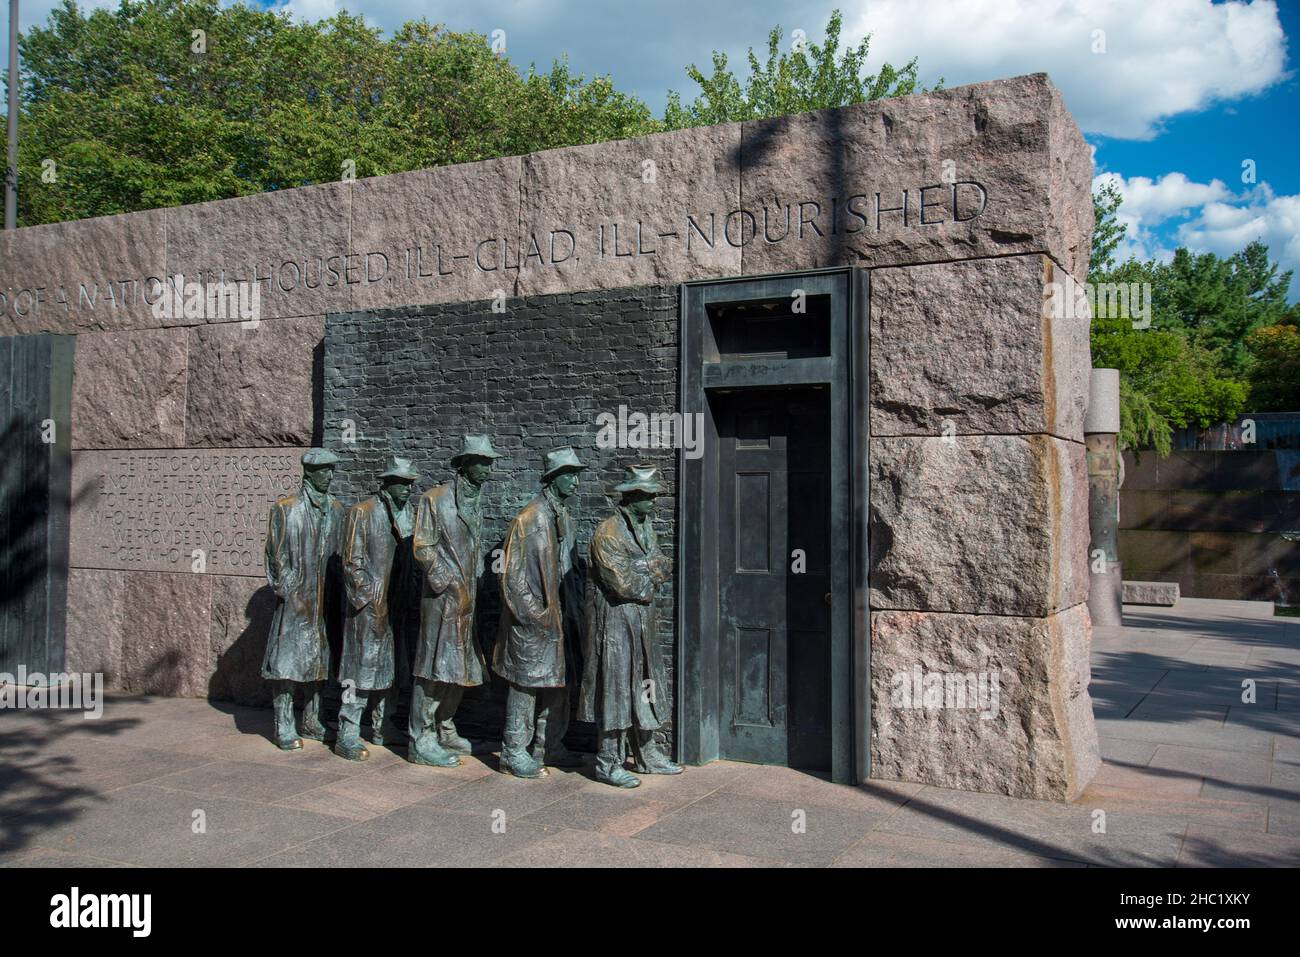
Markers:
(370, 541)
(530, 647)
(621, 651)
(448, 547)
(302, 539)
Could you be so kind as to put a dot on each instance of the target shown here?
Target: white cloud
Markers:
(1140, 241)
(1160, 60)
(1224, 228)
(1154, 201)
(1215, 219)
(311, 10)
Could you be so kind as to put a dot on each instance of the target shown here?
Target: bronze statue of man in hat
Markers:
(530, 650)
(375, 530)
(448, 546)
(302, 540)
(623, 686)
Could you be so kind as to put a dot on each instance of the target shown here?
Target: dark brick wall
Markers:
(415, 379)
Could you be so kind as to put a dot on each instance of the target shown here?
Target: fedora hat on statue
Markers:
(642, 478)
(560, 460)
(399, 468)
(476, 446)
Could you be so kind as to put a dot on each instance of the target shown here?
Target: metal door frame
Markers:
(696, 713)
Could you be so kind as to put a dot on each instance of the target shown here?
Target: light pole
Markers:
(11, 163)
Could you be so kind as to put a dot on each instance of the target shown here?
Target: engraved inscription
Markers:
(865, 214)
(152, 510)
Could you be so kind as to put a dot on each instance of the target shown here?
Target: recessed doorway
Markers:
(772, 603)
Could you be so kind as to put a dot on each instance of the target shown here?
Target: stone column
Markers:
(1100, 428)
(980, 632)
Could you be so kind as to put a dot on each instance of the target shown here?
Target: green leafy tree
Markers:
(136, 111)
(810, 77)
(1219, 301)
(1166, 382)
(134, 108)
(1170, 377)
(1108, 232)
(1275, 368)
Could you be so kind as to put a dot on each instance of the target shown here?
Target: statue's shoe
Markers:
(619, 778)
(433, 757)
(355, 753)
(289, 744)
(521, 765)
(563, 758)
(453, 741)
(663, 766)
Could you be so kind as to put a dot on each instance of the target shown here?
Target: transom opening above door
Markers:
(797, 327)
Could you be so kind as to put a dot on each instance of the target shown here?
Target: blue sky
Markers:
(1173, 94)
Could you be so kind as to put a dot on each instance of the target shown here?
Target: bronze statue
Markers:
(376, 528)
(448, 545)
(302, 539)
(530, 650)
(624, 690)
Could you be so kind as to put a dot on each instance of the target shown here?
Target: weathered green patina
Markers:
(376, 529)
(624, 690)
(537, 595)
(448, 547)
(302, 540)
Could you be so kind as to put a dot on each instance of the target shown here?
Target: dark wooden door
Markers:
(774, 576)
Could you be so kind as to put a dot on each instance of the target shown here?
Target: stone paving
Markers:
(1192, 776)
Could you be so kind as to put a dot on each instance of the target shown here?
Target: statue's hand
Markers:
(661, 569)
(438, 577)
(290, 582)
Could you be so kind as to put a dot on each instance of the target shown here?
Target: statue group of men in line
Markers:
(622, 679)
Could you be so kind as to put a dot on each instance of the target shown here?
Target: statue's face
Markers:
(565, 484)
(641, 505)
(319, 477)
(476, 470)
(398, 490)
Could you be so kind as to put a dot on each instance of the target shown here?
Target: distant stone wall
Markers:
(1220, 524)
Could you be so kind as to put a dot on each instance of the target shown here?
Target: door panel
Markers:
(755, 701)
(774, 613)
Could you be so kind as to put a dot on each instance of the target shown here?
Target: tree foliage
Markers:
(131, 108)
(1190, 366)
(810, 76)
(1275, 368)
(1218, 301)
(1108, 232)
(133, 117)
(1166, 382)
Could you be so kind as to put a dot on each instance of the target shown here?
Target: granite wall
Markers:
(964, 203)
(1221, 524)
(979, 530)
